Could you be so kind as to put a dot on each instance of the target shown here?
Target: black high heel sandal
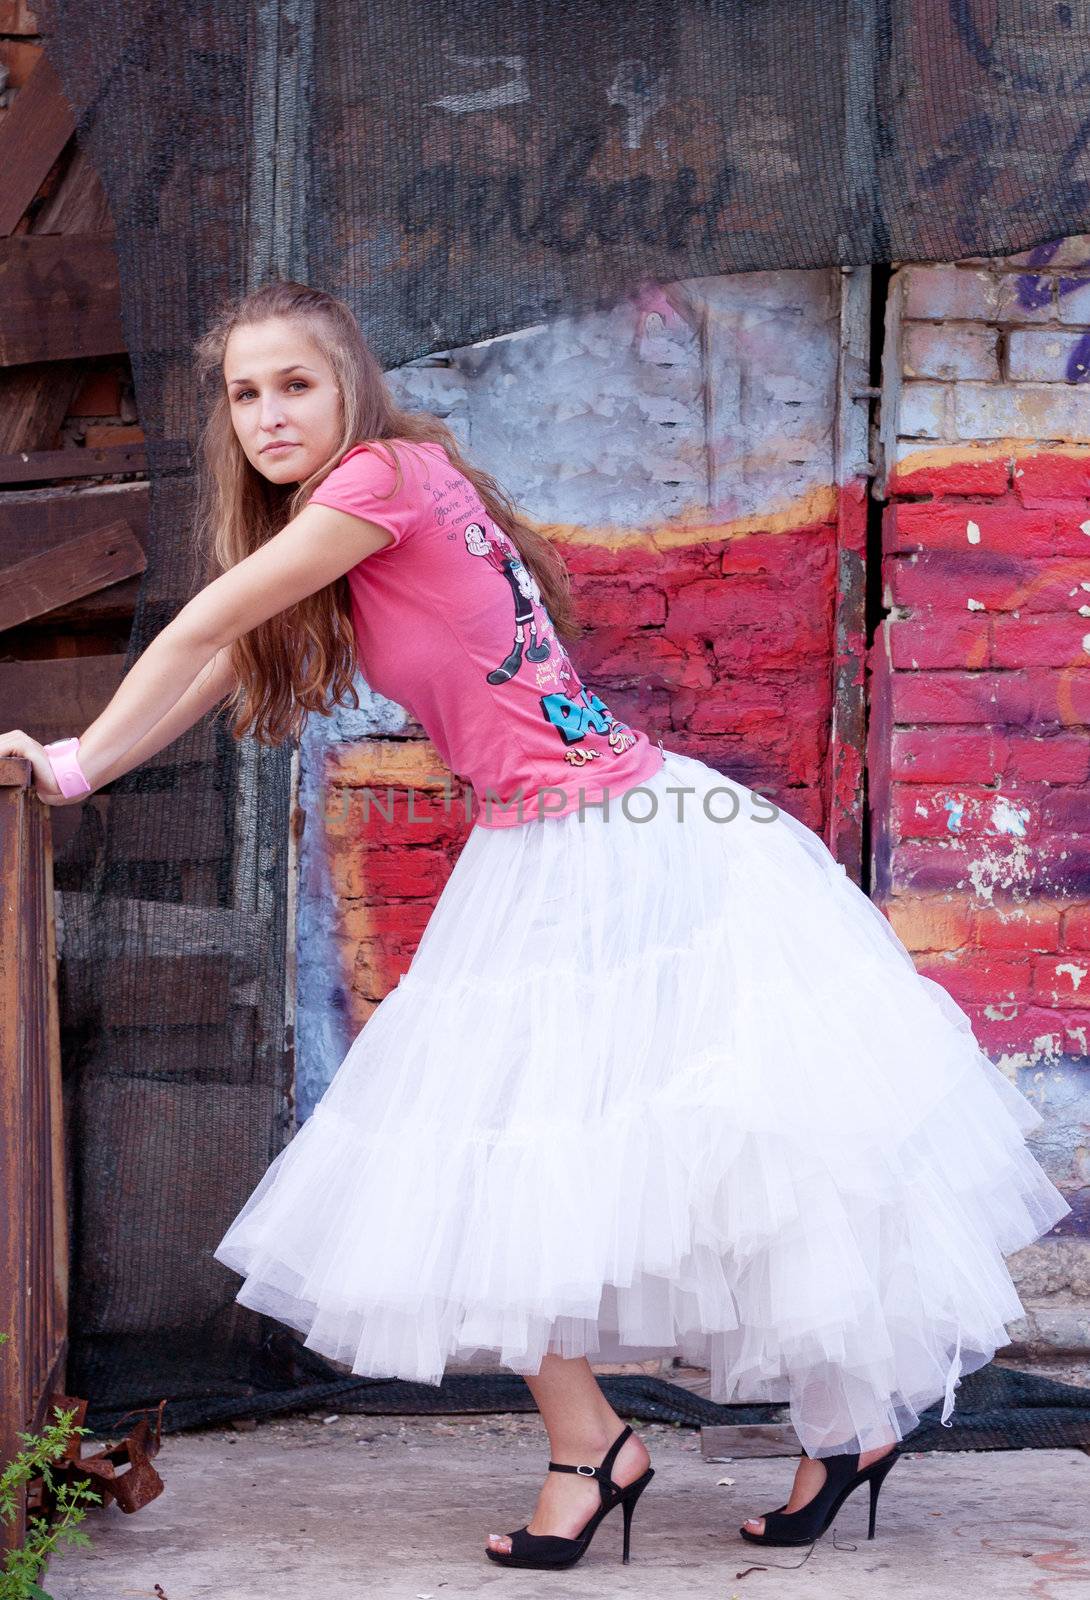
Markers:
(550, 1549)
(809, 1522)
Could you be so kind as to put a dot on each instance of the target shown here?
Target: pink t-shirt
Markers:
(451, 625)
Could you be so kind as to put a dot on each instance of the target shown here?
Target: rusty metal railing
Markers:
(33, 1205)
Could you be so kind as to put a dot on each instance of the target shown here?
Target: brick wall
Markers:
(979, 753)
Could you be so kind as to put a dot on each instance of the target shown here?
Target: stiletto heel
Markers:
(809, 1522)
(549, 1549)
(876, 1483)
(628, 1505)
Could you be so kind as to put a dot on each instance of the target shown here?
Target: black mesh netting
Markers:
(998, 1409)
(454, 170)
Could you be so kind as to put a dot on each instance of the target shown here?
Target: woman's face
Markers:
(285, 404)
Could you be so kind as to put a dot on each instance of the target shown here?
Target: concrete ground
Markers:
(398, 1508)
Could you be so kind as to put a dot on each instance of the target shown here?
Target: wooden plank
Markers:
(17, 17)
(101, 614)
(59, 298)
(53, 699)
(45, 521)
(34, 401)
(78, 203)
(46, 466)
(733, 1441)
(36, 129)
(52, 578)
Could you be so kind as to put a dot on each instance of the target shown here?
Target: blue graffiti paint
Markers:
(1033, 290)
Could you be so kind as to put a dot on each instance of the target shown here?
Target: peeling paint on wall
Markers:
(982, 855)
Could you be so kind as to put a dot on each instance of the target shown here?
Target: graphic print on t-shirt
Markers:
(570, 708)
(525, 593)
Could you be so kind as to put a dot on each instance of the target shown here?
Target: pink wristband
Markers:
(66, 768)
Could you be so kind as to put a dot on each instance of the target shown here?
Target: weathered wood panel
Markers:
(80, 566)
(59, 298)
(42, 522)
(36, 129)
(46, 466)
(34, 401)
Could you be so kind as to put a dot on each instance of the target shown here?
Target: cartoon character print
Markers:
(571, 708)
(524, 592)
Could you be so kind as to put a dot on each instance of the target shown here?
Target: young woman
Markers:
(660, 1077)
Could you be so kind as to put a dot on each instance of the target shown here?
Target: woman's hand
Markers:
(18, 743)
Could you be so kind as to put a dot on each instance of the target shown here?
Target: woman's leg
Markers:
(581, 1425)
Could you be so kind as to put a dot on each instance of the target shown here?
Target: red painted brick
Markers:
(925, 866)
(1002, 527)
(709, 604)
(1072, 538)
(1031, 1031)
(1045, 641)
(1053, 758)
(980, 475)
(605, 601)
(720, 709)
(1062, 980)
(994, 866)
(930, 922)
(1065, 808)
(781, 557)
(1039, 698)
(946, 581)
(1052, 475)
(744, 706)
(1075, 927)
(614, 655)
(401, 874)
(402, 921)
(938, 697)
(927, 755)
(980, 977)
(960, 812)
(776, 638)
(1051, 698)
(1025, 927)
(775, 751)
(357, 872)
(428, 822)
(946, 640)
(638, 557)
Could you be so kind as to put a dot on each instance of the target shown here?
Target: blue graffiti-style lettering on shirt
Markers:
(574, 718)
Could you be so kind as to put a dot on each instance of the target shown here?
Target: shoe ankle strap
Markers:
(604, 1472)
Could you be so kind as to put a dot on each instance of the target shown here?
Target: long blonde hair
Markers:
(304, 658)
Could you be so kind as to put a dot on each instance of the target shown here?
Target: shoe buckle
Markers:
(586, 1472)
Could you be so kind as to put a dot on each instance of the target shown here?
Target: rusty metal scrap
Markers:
(131, 1487)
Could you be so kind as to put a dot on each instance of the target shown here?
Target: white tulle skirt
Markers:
(660, 1086)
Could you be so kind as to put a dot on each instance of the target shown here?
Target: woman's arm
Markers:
(209, 687)
(313, 550)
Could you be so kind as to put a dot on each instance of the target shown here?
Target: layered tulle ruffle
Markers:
(660, 1086)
